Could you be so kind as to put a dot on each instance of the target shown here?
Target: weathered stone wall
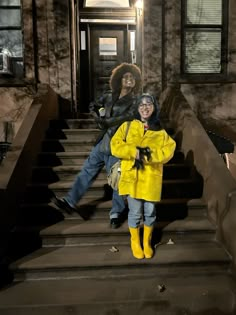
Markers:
(15, 103)
(47, 44)
(152, 47)
(215, 101)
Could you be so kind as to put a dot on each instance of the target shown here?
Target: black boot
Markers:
(63, 204)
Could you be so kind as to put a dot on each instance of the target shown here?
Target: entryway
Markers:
(106, 38)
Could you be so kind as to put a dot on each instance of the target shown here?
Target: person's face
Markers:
(145, 108)
(128, 80)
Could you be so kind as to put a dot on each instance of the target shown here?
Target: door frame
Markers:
(87, 18)
(85, 56)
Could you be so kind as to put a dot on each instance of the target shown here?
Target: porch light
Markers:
(139, 7)
(139, 4)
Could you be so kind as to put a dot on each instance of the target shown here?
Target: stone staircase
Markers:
(65, 265)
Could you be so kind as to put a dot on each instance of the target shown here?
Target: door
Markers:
(107, 51)
(108, 46)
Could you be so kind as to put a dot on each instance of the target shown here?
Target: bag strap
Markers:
(127, 129)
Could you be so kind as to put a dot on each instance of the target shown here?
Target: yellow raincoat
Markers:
(144, 183)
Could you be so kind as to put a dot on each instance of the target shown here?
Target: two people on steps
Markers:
(146, 149)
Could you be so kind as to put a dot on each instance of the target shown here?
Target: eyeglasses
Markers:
(128, 76)
(148, 105)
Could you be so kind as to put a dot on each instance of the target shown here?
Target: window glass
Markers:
(10, 17)
(132, 40)
(107, 46)
(204, 12)
(82, 40)
(107, 4)
(203, 52)
(12, 40)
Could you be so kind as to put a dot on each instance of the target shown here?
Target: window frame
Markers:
(224, 42)
(6, 80)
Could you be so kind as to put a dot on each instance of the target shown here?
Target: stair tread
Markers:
(106, 204)
(77, 167)
(71, 141)
(182, 292)
(79, 152)
(76, 227)
(80, 130)
(100, 182)
(101, 256)
(66, 153)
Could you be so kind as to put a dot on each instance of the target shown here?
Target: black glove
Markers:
(101, 123)
(138, 164)
(144, 152)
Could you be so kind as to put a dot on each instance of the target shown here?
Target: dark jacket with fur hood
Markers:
(117, 110)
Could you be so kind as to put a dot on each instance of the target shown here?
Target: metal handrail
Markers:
(4, 147)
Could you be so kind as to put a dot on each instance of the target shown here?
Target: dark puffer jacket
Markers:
(117, 110)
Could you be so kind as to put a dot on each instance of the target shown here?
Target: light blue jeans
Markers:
(139, 208)
(92, 166)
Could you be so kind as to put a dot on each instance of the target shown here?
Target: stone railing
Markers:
(219, 191)
(15, 171)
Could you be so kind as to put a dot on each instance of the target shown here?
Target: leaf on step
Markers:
(113, 249)
(170, 242)
(161, 287)
(157, 244)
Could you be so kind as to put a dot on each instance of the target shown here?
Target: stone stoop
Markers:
(85, 267)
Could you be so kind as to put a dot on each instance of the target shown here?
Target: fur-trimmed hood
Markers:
(119, 71)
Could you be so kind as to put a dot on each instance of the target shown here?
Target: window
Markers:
(204, 36)
(11, 39)
(107, 46)
(107, 4)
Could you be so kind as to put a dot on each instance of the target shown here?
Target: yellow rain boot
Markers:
(135, 243)
(147, 237)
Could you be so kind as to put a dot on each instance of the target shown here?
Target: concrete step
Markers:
(93, 232)
(68, 145)
(171, 188)
(47, 213)
(82, 123)
(47, 174)
(62, 157)
(42, 193)
(200, 291)
(73, 134)
(97, 261)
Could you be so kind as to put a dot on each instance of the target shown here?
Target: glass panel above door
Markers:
(106, 4)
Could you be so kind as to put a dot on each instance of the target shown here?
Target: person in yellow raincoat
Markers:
(143, 147)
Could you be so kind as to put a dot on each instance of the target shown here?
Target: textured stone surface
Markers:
(51, 44)
(15, 103)
(152, 47)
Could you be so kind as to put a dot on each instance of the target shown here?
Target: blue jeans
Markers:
(139, 207)
(92, 166)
